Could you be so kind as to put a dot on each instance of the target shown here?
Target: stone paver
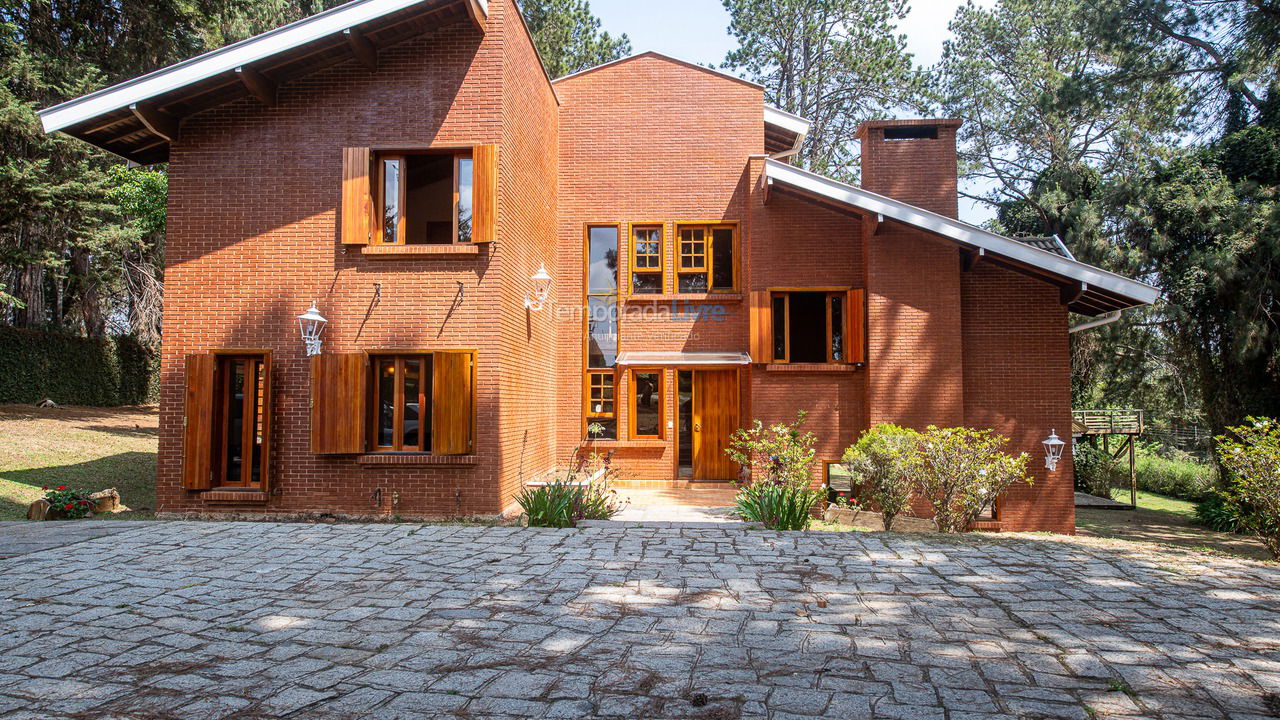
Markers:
(259, 620)
(19, 537)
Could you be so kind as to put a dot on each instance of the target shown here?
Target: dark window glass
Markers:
(464, 199)
(648, 400)
(609, 425)
(602, 261)
(691, 283)
(646, 283)
(837, 328)
(412, 380)
(779, 327)
(391, 200)
(807, 323)
(429, 211)
(684, 416)
(602, 332)
(386, 403)
(235, 421)
(722, 259)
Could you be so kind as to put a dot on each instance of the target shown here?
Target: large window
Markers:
(601, 329)
(647, 277)
(402, 403)
(809, 327)
(425, 198)
(647, 403)
(705, 257)
(240, 421)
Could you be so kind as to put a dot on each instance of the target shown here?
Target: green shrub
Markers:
(585, 492)
(880, 464)
(1175, 474)
(960, 471)
(1219, 512)
(1095, 471)
(74, 370)
(550, 505)
(778, 459)
(1251, 453)
(778, 505)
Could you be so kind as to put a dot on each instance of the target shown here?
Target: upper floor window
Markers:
(425, 198)
(822, 325)
(706, 258)
(602, 329)
(647, 276)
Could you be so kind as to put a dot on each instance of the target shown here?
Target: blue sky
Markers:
(696, 30)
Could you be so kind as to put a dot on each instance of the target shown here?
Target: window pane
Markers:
(609, 428)
(779, 327)
(693, 249)
(428, 199)
(646, 283)
(600, 394)
(602, 261)
(412, 378)
(648, 400)
(386, 432)
(807, 327)
(255, 470)
(424, 412)
(390, 200)
(602, 332)
(837, 328)
(235, 421)
(691, 283)
(464, 199)
(722, 258)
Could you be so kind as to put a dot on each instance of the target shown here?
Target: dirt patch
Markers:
(1165, 528)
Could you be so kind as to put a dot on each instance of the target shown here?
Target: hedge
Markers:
(72, 370)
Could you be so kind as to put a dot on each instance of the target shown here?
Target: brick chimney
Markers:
(913, 161)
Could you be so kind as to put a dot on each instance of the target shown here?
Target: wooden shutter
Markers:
(338, 408)
(761, 317)
(357, 195)
(484, 189)
(856, 314)
(452, 403)
(197, 424)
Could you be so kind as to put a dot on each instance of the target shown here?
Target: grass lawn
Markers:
(84, 448)
(1164, 520)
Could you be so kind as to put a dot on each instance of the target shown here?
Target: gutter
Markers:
(1097, 322)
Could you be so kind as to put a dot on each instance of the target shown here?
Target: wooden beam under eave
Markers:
(766, 189)
(258, 85)
(477, 14)
(1072, 293)
(970, 259)
(157, 121)
(364, 50)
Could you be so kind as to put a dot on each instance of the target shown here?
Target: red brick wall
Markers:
(920, 171)
(1017, 380)
(655, 141)
(252, 240)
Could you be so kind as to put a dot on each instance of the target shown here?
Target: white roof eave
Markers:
(787, 121)
(222, 60)
(965, 233)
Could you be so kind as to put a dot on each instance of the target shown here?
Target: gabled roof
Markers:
(663, 56)
(783, 131)
(1086, 289)
(137, 118)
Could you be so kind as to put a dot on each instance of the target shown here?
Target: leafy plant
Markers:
(1175, 474)
(584, 492)
(960, 471)
(777, 459)
(68, 504)
(778, 505)
(881, 463)
(1252, 454)
(1219, 511)
(1096, 473)
(550, 505)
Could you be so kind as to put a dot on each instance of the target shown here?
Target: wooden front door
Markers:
(715, 417)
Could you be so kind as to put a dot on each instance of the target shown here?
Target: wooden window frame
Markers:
(373, 359)
(708, 257)
(846, 344)
(379, 210)
(631, 402)
(260, 407)
(587, 415)
(632, 265)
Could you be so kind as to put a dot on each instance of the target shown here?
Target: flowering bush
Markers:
(778, 459)
(960, 471)
(1252, 455)
(881, 465)
(68, 504)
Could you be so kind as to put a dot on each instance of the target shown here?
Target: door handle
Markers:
(697, 427)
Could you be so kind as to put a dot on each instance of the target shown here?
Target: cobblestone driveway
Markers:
(249, 620)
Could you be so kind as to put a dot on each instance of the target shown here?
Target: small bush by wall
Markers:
(73, 370)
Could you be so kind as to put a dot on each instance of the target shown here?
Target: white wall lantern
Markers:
(1053, 450)
(311, 323)
(541, 287)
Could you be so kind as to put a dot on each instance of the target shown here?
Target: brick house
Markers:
(407, 165)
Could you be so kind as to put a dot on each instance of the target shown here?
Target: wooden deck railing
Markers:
(1107, 422)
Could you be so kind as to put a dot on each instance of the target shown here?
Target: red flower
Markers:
(62, 487)
(68, 507)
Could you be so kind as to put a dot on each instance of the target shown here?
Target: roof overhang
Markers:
(669, 359)
(136, 118)
(783, 132)
(1086, 289)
